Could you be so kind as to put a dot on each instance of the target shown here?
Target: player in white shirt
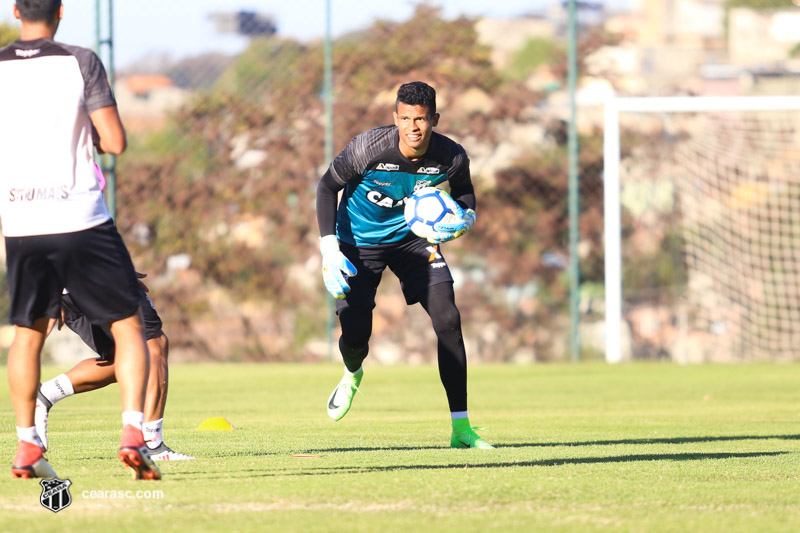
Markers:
(56, 104)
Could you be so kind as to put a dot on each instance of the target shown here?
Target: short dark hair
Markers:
(38, 10)
(417, 93)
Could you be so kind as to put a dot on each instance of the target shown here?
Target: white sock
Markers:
(152, 433)
(455, 415)
(351, 373)
(133, 418)
(29, 435)
(57, 388)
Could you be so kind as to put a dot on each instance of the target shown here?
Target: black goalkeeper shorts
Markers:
(416, 263)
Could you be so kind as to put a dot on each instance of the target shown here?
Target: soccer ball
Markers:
(426, 207)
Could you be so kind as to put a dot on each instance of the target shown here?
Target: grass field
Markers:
(587, 447)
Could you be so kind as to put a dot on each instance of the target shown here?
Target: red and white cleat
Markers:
(30, 462)
(133, 452)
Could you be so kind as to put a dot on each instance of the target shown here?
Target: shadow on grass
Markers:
(327, 471)
(560, 462)
(663, 440)
(660, 440)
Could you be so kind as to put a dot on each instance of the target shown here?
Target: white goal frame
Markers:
(611, 188)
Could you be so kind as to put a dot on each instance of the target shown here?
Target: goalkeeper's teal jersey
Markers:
(378, 179)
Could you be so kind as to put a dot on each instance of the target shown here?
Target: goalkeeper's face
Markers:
(415, 125)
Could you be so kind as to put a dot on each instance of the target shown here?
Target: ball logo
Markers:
(55, 494)
(427, 208)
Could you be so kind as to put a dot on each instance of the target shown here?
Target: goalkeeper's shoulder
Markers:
(447, 147)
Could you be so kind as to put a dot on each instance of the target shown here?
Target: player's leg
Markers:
(425, 278)
(156, 397)
(23, 383)
(356, 323)
(99, 275)
(156, 391)
(355, 318)
(157, 384)
(87, 375)
(354, 345)
(439, 303)
(24, 370)
(91, 374)
(131, 363)
(34, 299)
(131, 369)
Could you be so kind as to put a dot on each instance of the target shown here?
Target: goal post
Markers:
(664, 106)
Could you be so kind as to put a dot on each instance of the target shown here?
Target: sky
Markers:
(183, 28)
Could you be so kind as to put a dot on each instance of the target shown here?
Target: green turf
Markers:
(590, 447)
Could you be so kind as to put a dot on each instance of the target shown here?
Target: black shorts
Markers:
(98, 336)
(416, 263)
(93, 265)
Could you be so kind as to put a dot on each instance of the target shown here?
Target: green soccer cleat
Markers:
(342, 396)
(464, 436)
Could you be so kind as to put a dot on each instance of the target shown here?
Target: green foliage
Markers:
(273, 72)
(760, 4)
(536, 53)
(526, 215)
(9, 32)
(665, 269)
(250, 227)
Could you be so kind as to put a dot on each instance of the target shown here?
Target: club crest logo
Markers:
(421, 184)
(55, 494)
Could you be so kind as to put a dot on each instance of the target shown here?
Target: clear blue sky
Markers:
(182, 27)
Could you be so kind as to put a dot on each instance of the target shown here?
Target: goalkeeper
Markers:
(377, 171)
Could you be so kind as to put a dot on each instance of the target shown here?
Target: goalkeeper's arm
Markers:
(336, 268)
(327, 197)
(464, 194)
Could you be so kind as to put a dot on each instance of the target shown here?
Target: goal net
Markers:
(702, 228)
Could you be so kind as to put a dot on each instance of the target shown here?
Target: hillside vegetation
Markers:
(253, 289)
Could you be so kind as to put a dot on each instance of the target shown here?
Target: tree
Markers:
(8, 33)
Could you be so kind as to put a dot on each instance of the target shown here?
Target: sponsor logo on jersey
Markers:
(381, 200)
(382, 183)
(428, 170)
(434, 251)
(421, 184)
(38, 194)
(439, 265)
(28, 53)
(388, 166)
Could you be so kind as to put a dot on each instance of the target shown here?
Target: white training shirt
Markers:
(48, 182)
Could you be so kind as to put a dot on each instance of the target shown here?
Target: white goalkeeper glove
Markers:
(336, 268)
(447, 231)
